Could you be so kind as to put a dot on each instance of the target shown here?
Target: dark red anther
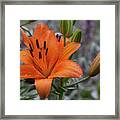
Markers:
(59, 38)
(30, 47)
(37, 44)
(31, 52)
(46, 51)
(40, 56)
(44, 45)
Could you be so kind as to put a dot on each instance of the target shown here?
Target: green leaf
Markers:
(63, 89)
(76, 37)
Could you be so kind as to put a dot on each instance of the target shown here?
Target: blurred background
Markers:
(90, 46)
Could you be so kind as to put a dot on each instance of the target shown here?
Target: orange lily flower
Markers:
(46, 58)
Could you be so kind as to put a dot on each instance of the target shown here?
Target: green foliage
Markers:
(76, 37)
(27, 91)
(66, 27)
(86, 94)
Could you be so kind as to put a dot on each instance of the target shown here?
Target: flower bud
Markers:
(76, 37)
(95, 66)
(66, 27)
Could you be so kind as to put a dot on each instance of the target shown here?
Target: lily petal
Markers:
(67, 69)
(46, 47)
(49, 50)
(25, 57)
(69, 50)
(26, 39)
(40, 29)
(53, 50)
(43, 87)
(28, 71)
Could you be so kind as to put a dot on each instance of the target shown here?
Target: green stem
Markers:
(63, 89)
(55, 92)
(54, 86)
(64, 40)
(61, 92)
(84, 79)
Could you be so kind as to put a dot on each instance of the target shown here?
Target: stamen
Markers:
(30, 47)
(59, 38)
(37, 44)
(31, 53)
(44, 44)
(40, 56)
(46, 51)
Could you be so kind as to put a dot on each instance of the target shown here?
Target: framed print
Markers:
(60, 59)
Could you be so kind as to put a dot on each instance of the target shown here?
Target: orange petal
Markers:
(61, 45)
(69, 49)
(48, 47)
(28, 71)
(67, 69)
(62, 41)
(25, 57)
(43, 87)
(53, 50)
(25, 38)
(33, 41)
(40, 29)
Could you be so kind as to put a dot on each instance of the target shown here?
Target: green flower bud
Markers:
(76, 37)
(66, 27)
